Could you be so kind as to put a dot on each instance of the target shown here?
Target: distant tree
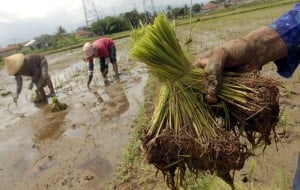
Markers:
(196, 8)
(109, 25)
(169, 11)
(115, 24)
(43, 40)
(147, 17)
(132, 17)
(186, 10)
(98, 27)
(176, 12)
(60, 30)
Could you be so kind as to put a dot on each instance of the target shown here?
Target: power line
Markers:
(149, 8)
(90, 12)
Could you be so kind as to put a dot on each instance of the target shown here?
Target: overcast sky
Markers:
(22, 20)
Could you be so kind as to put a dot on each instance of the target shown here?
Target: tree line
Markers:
(132, 19)
(109, 25)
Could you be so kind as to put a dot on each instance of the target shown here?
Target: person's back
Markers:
(33, 65)
(102, 46)
(106, 42)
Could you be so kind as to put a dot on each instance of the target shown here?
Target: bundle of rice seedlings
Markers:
(183, 133)
(57, 106)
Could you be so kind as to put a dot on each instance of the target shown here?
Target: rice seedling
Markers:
(288, 91)
(57, 106)
(285, 121)
(183, 132)
(252, 167)
(298, 76)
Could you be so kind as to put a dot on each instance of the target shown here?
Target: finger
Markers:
(210, 99)
(211, 84)
(200, 62)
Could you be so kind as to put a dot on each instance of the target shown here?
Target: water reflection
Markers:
(49, 126)
(113, 99)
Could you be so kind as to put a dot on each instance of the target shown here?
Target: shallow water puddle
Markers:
(101, 167)
(50, 126)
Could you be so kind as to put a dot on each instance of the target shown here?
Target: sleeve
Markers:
(288, 27)
(40, 72)
(90, 71)
(44, 67)
(37, 77)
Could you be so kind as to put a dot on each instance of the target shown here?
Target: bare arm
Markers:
(19, 81)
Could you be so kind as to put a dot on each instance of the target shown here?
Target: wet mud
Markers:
(80, 147)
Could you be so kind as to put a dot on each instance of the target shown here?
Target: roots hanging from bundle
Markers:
(258, 121)
(169, 152)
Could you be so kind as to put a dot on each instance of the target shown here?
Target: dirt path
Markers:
(80, 147)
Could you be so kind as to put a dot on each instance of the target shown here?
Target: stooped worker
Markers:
(105, 50)
(34, 66)
(278, 42)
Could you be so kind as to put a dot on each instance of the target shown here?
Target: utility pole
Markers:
(90, 13)
(149, 8)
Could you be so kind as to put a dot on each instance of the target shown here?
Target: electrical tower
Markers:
(90, 12)
(149, 8)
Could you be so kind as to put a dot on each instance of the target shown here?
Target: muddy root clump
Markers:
(219, 155)
(258, 123)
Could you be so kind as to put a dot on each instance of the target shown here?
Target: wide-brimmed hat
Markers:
(13, 63)
(88, 49)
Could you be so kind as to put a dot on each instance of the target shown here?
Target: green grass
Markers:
(133, 152)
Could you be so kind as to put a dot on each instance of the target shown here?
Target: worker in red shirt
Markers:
(105, 50)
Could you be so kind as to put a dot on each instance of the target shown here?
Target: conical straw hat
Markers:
(13, 63)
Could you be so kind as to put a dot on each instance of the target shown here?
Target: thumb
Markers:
(211, 99)
(200, 62)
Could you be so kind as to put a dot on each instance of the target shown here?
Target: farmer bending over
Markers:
(35, 66)
(105, 50)
(279, 42)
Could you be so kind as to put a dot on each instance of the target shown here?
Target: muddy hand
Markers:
(212, 62)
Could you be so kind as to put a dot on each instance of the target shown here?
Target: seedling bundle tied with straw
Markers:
(185, 132)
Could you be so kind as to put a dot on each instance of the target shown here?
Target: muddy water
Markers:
(80, 147)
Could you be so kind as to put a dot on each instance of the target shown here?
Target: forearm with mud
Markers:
(254, 50)
(246, 54)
